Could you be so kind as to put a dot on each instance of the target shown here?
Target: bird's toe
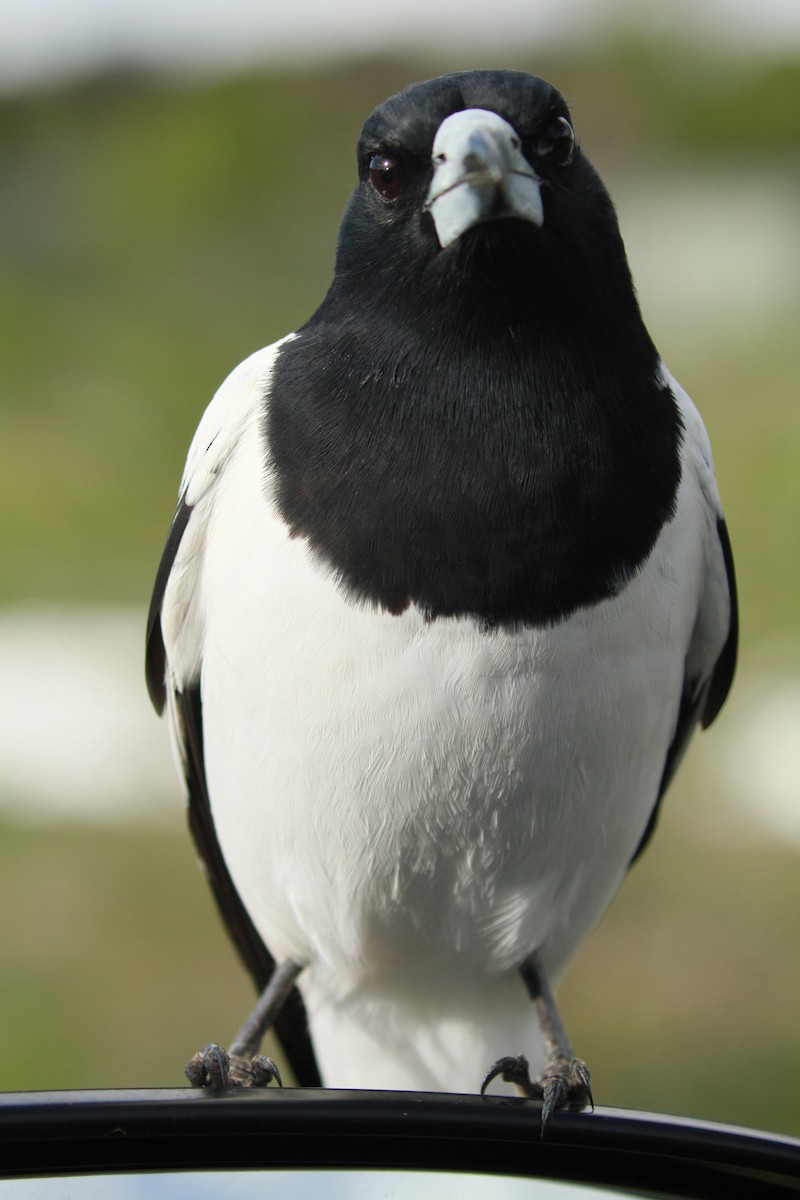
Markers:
(565, 1085)
(209, 1068)
(263, 1070)
(513, 1069)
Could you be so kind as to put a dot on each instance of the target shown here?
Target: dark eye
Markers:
(557, 142)
(384, 175)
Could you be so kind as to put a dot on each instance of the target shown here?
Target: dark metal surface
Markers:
(88, 1132)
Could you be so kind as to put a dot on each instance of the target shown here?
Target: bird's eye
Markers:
(385, 177)
(557, 142)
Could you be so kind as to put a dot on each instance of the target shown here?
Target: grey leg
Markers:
(242, 1065)
(564, 1082)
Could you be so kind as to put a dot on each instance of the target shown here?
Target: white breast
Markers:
(412, 807)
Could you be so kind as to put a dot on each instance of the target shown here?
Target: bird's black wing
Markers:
(291, 1024)
(701, 700)
(155, 660)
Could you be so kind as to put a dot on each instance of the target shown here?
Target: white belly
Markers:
(411, 808)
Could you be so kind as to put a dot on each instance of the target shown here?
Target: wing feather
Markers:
(709, 668)
(173, 668)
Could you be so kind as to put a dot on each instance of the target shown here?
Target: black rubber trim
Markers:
(181, 1129)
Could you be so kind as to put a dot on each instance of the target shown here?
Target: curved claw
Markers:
(582, 1072)
(553, 1088)
(566, 1085)
(514, 1069)
(263, 1071)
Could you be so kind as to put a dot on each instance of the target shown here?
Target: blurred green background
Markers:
(155, 234)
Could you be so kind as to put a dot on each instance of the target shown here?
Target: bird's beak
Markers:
(479, 174)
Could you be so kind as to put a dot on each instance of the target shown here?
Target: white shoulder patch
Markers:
(714, 610)
(226, 417)
(697, 446)
(238, 403)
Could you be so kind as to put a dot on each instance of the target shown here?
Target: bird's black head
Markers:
(472, 421)
(510, 154)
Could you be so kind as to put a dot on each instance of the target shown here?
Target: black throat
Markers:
(493, 457)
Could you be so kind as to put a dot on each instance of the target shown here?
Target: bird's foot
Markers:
(213, 1067)
(564, 1084)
